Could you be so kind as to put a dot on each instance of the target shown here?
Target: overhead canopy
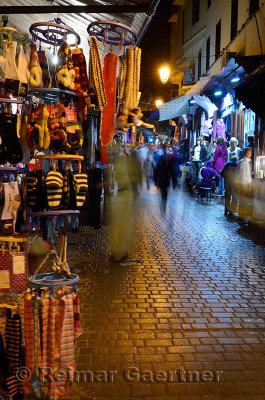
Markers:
(224, 77)
(252, 91)
(199, 86)
(79, 14)
(181, 105)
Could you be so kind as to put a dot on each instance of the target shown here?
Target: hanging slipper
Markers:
(31, 182)
(82, 185)
(69, 191)
(54, 185)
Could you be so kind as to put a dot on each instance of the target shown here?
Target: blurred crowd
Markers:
(217, 168)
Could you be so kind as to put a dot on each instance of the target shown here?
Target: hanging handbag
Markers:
(13, 271)
(38, 250)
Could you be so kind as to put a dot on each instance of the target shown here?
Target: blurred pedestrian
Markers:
(162, 174)
(220, 158)
(121, 209)
(149, 170)
(209, 176)
(244, 178)
(211, 150)
(199, 155)
(174, 166)
(229, 173)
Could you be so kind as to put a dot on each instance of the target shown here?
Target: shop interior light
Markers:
(218, 93)
(55, 59)
(164, 74)
(159, 103)
(235, 78)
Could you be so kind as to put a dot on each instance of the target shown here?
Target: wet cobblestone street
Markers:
(196, 302)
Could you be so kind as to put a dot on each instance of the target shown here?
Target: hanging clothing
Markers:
(108, 114)
(220, 129)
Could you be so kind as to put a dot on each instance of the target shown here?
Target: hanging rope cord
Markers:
(58, 266)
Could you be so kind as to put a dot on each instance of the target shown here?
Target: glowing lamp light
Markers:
(235, 78)
(164, 74)
(192, 101)
(159, 103)
(218, 93)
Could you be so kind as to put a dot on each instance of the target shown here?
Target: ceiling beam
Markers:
(88, 9)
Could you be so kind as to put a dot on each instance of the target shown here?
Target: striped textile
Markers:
(52, 363)
(13, 340)
(80, 199)
(54, 179)
(13, 337)
(15, 389)
(66, 344)
(82, 182)
(45, 304)
(31, 182)
(35, 379)
(29, 342)
(76, 305)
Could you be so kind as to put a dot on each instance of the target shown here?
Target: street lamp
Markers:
(164, 74)
(159, 103)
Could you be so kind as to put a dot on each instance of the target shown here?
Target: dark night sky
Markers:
(156, 49)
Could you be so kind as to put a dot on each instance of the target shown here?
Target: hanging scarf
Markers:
(95, 72)
(108, 113)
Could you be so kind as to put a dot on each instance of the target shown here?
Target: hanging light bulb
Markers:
(218, 93)
(164, 74)
(235, 78)
(159, 103)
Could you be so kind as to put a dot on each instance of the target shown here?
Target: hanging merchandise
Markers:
(220, 129)
(65, 73)
(44, 64)
(35, 80)
(108, 113)
(95, 73)
(128, 93)
(80, 67)
(13, 265)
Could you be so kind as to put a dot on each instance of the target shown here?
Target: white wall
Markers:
(195, 36)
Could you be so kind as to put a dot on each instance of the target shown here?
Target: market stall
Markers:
(59, 114)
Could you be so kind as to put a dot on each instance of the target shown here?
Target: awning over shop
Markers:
(224, 77)
(135, 14)
(199, 86)
(180, 106)
(252, 91)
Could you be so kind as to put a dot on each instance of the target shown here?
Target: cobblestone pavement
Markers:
(195, 303)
